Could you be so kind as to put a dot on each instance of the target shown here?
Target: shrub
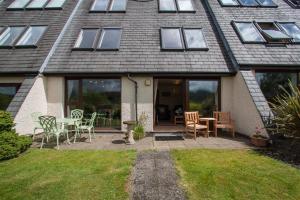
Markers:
(6, 121)
(286, 109)
(139, 132)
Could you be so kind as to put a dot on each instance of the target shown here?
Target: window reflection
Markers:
(7, 93)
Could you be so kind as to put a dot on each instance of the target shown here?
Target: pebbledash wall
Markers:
(47, 97)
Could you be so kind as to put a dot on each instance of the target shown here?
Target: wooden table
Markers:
(207, 120)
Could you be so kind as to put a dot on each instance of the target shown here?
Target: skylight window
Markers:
(194, 39)
(167, 6)
(100, 6)
(86, 39)
(248, 3)
(267, 3)
(18, 4)
(118, 6)
(272, 33)
(229, 2)
(32, 35)
(110, 39)
(185, 6)
(55, 4)
(294, 3)
(248, 32)
(36, 4)
(291, 29)
(10, 35)
(171, 39)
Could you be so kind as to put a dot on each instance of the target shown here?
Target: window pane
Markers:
(266, 3)
(118, 5)
(276, 35)
(292, 30)
(18, 4)
(248, 32)
(194, 38)
(55, 4)
(32, 35)
(8, 37)
(100, 5)
(248, 2)
(203, 97)
(171, 38)
(110, 39)
(270, 82)
(167, 5)
(7, 93)
(86, 38)
(272, 33)
(230, 2)
(185, 5)
(37, 4)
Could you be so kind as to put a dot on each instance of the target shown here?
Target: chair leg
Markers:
(75, 136)
(68, 140)
(57, 141)
(42, 143)
(47, 138)
(90, 135)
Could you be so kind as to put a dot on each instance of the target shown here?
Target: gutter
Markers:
(135, 95)
(58, 40)
(222, 37)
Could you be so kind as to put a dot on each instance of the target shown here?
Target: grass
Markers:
(51, 174)
(235, 174)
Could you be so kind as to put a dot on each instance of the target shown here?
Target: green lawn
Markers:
(235, 174)
(52, 174)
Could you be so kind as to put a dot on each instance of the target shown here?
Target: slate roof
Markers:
(30, 60)
(257, 54)
(140, 43)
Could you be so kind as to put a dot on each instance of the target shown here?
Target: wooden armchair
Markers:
(224, 121)
(192, 124)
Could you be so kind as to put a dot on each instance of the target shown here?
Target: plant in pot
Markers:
(258, 139)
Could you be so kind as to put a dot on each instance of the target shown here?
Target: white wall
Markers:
(55, 96)
(145, 100)
(36, 101)
(237, 100)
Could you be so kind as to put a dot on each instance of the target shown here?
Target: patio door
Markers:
(96, 95)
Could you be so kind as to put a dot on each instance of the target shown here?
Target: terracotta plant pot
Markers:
(259, 141)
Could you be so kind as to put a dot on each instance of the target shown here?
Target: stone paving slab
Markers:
(154, 177)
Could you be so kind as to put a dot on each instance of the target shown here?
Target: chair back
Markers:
(222, 117)
(191, 117)
(92, 120)
(35, 118)
(77, 114)
(48, 123)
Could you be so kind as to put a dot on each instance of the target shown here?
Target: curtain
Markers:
(155, 85)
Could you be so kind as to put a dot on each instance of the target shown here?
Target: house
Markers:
(123, 58)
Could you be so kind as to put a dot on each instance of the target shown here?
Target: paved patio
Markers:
(116, 141)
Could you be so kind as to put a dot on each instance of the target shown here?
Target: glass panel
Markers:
(37, 4)
(110, 39)
(171, 38)
(248, 32)
(72, 99)
(292, 30)
(194, 38)
(104, 97)
(266, 3)
(203, 96)
(7, 93)
(276, 35)
(32, 35)
(269, 82)
(86, 38)
(167, 5)
(55, 4)
(229, 2)
(185, 5)
(248, 2)
(100, 5)
(118, 5)
(18, 4)
(8, 37)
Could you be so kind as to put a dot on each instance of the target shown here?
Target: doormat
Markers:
(168, 136)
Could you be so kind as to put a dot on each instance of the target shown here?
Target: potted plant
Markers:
(258, 139)
(139, 129)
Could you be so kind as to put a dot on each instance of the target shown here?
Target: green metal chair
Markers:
(77, 114)
(87, 125)
(36, 122)
(51, 128)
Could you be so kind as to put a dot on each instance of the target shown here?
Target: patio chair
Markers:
(51, 128)
(77, 114)
(36, 122)
(223, 121)
(192, 124)
(87, 125)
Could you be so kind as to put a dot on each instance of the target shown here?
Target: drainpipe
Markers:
(135, 95)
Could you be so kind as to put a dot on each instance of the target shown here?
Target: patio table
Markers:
(207, 120)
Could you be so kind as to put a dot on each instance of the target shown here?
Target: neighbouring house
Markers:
(121, 58)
